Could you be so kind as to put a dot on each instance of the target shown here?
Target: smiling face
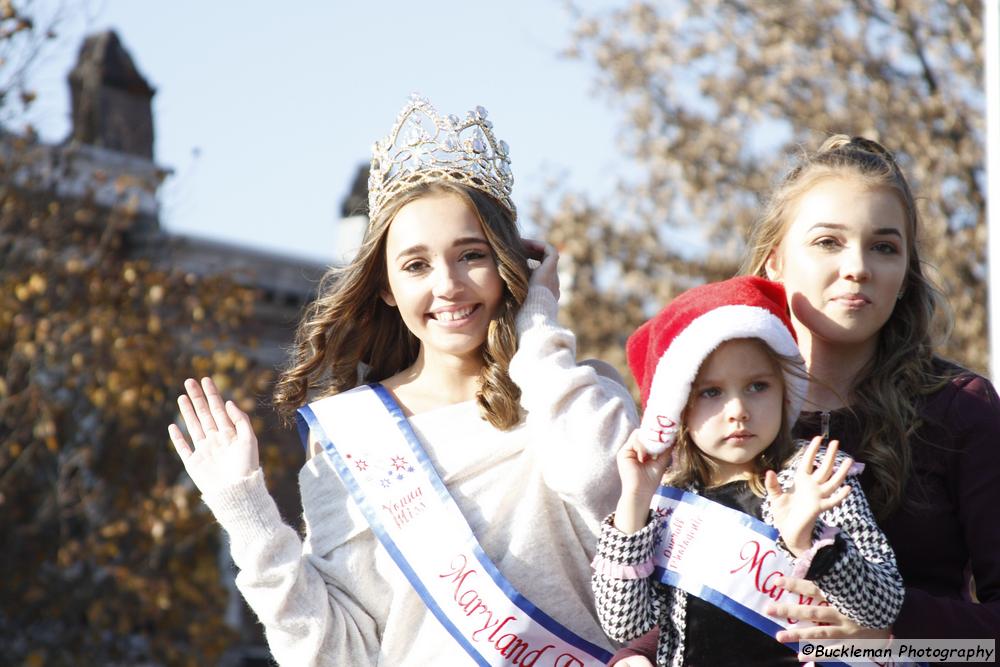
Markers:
(442, 275)
(734, 409)
(842, 260)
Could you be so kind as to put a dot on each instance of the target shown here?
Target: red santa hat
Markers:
(666, 352)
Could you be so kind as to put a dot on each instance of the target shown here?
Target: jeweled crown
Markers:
(424, 146)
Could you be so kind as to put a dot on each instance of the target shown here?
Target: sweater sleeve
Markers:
(974, 415)
(308, 620)
(582, 416)
(862, 581)
(628, 603)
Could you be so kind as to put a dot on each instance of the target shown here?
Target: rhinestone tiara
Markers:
(424, 146)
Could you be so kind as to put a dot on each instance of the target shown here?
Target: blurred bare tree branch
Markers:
(716, 96)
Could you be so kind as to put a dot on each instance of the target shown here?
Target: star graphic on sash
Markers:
(385, 482)
(399, 462)
(361, 464)
(399, 477)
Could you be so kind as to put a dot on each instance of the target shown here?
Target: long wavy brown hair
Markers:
(349, 336)
(690, 467)
(887, 393)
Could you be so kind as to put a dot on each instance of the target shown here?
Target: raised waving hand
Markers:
(223, 448)
(813, 492)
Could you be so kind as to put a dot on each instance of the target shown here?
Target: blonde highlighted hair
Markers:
(349, 335)
(888, 389)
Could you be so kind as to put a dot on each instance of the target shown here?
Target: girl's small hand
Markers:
(836, 625)
(547, 273)
(640, 473)
(225, 447)
(813, 492)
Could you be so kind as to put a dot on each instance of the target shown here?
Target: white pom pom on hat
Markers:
(665, 353)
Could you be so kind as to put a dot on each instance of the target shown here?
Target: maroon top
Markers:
(949, 525)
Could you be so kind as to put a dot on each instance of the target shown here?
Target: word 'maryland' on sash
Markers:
(381, 462)
(723, 556)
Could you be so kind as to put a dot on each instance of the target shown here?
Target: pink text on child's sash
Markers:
(757, 562)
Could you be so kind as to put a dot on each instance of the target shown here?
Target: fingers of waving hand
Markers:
(827, 476)
(834, 499)
(827, 480)
(805, 466)
(223, 446)
(772, 485)
(829, 458)
(834, 477)
(191, 416)
(180, 442)
(218, 408)
(244, 431)
(200, 405)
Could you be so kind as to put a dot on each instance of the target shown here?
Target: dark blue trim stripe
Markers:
(517, 598)
(309, 417)
(701, 502)
(724, 602)
(303, 427)
(537, 614)
(709, 594)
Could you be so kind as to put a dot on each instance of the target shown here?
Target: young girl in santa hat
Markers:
(722, 382)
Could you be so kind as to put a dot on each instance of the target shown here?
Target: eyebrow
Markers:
(463, 241)
(881, 231)
(714, 382)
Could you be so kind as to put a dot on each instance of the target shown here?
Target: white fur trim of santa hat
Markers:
(678, 367)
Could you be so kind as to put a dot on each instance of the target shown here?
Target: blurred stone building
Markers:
(109, 156)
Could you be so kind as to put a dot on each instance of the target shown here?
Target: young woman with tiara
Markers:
(460, 460)
(841, 232)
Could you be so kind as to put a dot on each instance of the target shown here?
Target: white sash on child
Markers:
(723, 556)
(381, 462)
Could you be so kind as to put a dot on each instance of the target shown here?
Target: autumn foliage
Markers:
(108, 550)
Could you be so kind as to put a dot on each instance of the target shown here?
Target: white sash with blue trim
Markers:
(723, 556)
(381, 462)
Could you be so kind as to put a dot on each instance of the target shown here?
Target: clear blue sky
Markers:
(264, 110)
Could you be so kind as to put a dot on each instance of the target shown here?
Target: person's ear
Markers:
(772, 266)
(389, 299)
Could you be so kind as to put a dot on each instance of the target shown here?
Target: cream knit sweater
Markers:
(534, 496)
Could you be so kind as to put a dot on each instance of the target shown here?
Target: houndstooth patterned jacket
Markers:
(862, 582)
